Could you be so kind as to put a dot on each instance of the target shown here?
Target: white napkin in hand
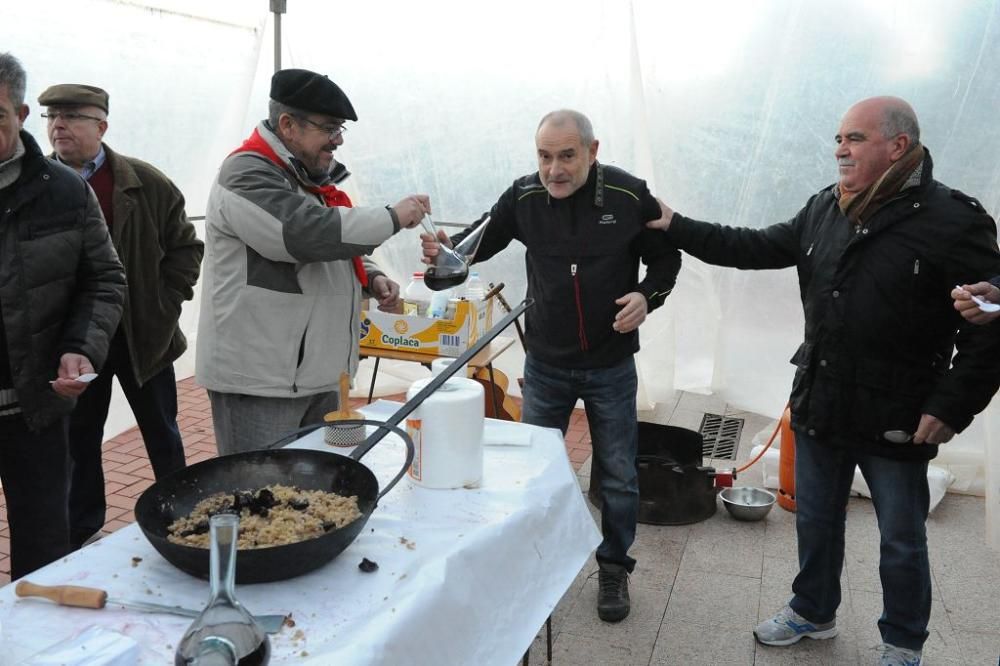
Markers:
(94, 646)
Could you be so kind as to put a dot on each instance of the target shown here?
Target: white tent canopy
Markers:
(727, 108)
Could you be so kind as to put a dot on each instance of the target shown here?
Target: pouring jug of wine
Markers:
(451, 265)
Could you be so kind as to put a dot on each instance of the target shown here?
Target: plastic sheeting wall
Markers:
(727, 108)
(178, 74)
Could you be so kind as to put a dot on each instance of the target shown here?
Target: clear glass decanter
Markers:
(451, 266)
(225, 632)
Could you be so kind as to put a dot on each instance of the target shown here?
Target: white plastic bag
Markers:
(93, 646)
(938, 478)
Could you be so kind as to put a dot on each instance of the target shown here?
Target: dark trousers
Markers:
(608, 394)
(154, 405)
(823, 476)
(33, 469)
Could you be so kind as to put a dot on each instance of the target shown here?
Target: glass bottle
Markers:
(225, 632)
(451, 266)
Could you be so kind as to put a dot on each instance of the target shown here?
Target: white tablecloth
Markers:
(465, 576)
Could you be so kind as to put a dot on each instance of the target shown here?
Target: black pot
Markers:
(176, 495)
(674, 487)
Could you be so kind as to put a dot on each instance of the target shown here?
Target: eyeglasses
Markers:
(334, 131)
(68, 116)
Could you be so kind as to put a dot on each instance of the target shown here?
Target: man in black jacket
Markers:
(61, 294)
(876, 386)
(582, 224)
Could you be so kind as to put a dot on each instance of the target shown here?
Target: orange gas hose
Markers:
(766, 446)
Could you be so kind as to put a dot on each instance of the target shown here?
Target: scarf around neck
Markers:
(329, 193)
(860, 206)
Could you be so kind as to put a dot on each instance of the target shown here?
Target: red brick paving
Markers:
(127, 472)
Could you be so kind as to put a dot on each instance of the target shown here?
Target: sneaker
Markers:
(612, 599)
(897, 656)
(789, 627)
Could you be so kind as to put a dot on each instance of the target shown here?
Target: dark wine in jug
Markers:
(436, 282)
(258, 656)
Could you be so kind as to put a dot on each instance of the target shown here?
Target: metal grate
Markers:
(720, 436)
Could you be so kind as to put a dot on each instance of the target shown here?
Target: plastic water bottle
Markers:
(474, 289)
(416, 296)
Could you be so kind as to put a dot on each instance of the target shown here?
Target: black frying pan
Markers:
(176, 495)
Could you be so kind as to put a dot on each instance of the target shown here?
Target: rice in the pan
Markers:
(272, 516)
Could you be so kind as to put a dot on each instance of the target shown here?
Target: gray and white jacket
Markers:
(280, 303)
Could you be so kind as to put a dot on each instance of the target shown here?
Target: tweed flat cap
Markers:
(74, 94)
(311, 92)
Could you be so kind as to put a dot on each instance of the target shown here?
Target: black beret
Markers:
(311, 92)
(74, 94)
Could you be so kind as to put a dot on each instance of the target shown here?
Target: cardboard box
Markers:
(423, 335)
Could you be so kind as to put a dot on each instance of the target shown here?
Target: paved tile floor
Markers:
(698, 590)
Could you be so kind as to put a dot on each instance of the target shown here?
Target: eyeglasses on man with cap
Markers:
(333, 130)
(68, 116)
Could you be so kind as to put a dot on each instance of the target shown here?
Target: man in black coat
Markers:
(61, 294)
(876, 385)
(582, 224)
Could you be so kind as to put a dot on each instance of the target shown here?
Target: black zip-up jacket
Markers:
(880, 326)
(583, 252)
(61, 284)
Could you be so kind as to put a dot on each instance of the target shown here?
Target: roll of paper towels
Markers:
(439, 364)
(447, 433)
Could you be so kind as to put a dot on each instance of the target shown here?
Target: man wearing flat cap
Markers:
(285, 268)
(161, 254)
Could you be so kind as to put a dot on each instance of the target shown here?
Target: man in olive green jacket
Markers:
(162, 257)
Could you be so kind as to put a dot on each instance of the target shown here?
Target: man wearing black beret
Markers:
(285, 268)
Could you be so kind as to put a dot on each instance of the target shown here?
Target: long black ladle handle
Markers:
(442, 377)
(383, 428)
(292, 435)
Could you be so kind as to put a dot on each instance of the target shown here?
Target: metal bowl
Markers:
(747, 503)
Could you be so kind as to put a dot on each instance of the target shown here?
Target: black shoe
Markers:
(612, 598)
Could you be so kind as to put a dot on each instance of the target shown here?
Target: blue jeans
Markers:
(608, 395)
(901, 498)
(154, 405)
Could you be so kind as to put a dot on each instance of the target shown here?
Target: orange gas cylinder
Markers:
(786, 464)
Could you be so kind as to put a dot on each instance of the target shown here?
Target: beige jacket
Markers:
(281, 304)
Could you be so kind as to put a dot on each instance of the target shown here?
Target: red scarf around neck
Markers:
(330, 194)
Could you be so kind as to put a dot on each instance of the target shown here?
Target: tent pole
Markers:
(279, 8)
